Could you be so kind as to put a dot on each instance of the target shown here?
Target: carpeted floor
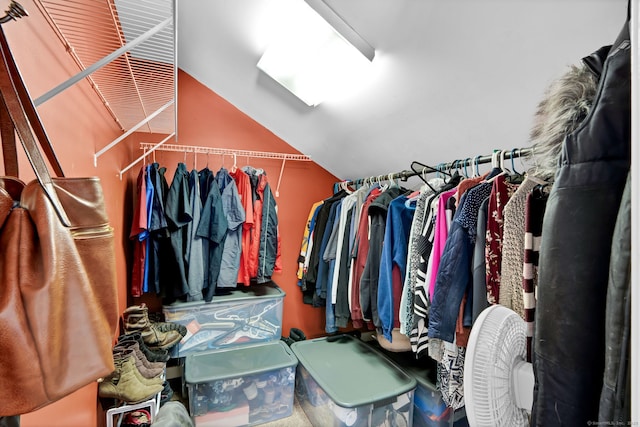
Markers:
(297, 418)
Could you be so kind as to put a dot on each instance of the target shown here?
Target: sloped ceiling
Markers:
(451, 79)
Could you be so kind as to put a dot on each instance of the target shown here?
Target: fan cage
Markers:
(500, 344)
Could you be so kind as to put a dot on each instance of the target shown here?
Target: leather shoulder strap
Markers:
(8, 135)
(10, 80)
(32, 117)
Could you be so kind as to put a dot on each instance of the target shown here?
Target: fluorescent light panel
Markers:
(312, 60)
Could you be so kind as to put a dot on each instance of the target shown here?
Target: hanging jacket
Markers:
(149, 198)
(441, 231)
(615, 399)
(360, 252)
(533, 217)
(195, 254)
(139, 234)
(369, 280)
(255, 176)
(243, 183)
(307, 244)
(329, 262)
(269, 248)
(513, 247)
(159, 244)
(315, 258)
(501, 192)
(479, 267)
(212, 228)
(179, 215)
(575, 249)
(234, 212)
(394, 255)
(342, 311)
(454, 273)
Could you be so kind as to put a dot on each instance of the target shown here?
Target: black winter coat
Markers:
(581, 212)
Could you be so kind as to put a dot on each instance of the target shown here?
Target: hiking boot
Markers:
(152, 355)
(133, 345)
(136, 319)
(145, 371)
(124, 384)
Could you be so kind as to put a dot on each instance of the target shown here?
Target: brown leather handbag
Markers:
(58, 295)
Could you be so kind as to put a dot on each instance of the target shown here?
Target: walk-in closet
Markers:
(352, 213)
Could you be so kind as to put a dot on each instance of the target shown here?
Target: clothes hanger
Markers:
(235, 166)
(513, 165)
(452, 166)
(503, 154)
(343, 186)
(458, 168)
(390, 180)
(422, 173)
(466, 162)
(497, 164)
(533, 157)
(495, 159)
(454, 171)
(384, 185)
(515, 177)
(477, 167)
(540, 191)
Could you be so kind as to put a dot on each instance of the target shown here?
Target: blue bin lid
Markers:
(237, 362)
(351, 372)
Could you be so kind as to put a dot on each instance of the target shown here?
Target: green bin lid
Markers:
(351, 372)
(247, 294)
(421, 369)
(237, 362)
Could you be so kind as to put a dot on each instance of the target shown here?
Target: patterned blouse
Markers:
(501, 192)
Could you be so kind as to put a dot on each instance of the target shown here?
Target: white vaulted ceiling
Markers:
(451, 79)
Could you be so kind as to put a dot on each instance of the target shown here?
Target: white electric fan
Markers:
(498, 382)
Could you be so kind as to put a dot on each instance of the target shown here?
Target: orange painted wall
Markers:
(206, 119)
(79, 125)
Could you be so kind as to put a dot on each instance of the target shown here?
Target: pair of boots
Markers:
(156, 335)
(135, 378)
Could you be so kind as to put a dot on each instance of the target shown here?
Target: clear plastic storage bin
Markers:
(241, 386)
(429, 409)
(342, 381)
(245, 316)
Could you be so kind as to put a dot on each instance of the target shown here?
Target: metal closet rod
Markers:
(150, 147)
(456, 164)
(223, 151)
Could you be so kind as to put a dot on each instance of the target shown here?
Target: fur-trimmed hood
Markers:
(566, 103)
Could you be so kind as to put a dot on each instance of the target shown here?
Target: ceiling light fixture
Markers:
(317, 55)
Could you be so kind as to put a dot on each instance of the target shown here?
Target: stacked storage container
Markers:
(245, 316)
(429, 408)
(342, 381)
(236, 369)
